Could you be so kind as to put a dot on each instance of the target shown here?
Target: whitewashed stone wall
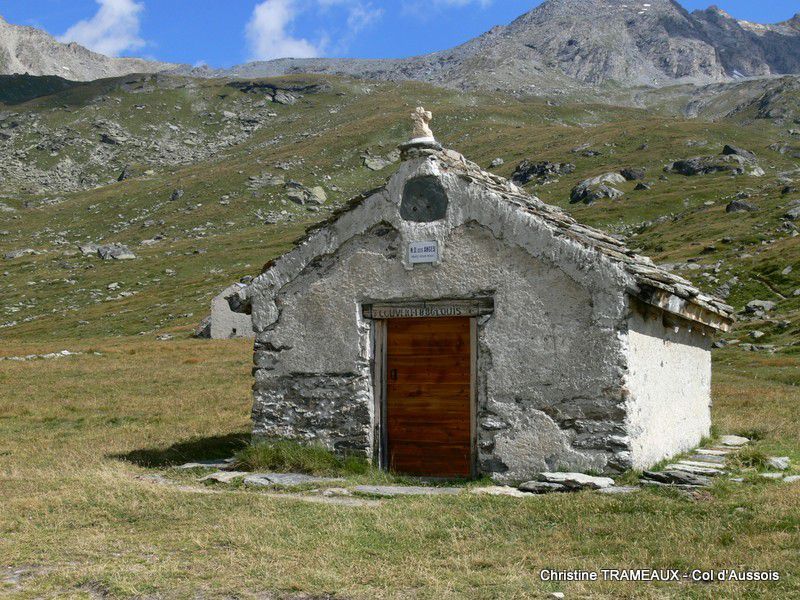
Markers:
(669, 386)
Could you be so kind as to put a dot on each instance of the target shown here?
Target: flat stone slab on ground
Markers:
(701, 464)
(500, 490)
(708, 458)
(676, 486)
(220, 463)
(619, 490)
(715, 451)
(675, 477)
(711, 472)
(772, 475)
(780, 463)
(543, 487)
(735, 441)
(792, 479)
(576, 480)
(224, 476)
(286, 479)
(391, 491)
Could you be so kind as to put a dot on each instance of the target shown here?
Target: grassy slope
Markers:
(73, 437)
(324, 135)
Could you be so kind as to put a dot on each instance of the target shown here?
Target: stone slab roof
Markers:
(650, 283)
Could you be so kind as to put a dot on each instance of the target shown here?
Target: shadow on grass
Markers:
(195, 449)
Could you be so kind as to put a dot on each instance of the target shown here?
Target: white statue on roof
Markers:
(422, 130)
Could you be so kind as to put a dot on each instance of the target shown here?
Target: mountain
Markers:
(30, 50)
(564, 44)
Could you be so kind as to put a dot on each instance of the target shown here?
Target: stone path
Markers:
(704, 464)
(697, 470)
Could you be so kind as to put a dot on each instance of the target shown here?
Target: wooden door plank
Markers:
(428, 388)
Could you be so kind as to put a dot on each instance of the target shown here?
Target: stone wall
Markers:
(669, 386)
(553, 359)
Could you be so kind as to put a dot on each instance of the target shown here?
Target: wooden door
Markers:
(428, 399)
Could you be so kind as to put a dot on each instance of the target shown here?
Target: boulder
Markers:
(730, 150)
(176, 195)
(590, 190)
(642, 186)
(19, 253)
(793, 214)
(542, 171)
(576, 481)
(755, 307)
(375, 163)
(317, 194)
(740, 206)
(497, 162)
(633, 173)
(115, 252)
(735, 164)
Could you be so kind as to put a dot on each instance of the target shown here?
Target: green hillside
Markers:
(215, 141)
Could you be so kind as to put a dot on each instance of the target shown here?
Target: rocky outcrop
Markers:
(540, 171)
(596, 188)
(734, 160)
(33, 51)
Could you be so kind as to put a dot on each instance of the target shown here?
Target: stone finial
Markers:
(422, 130)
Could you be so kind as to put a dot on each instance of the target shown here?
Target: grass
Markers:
(76, 432)
(288, 456)
(749, 458)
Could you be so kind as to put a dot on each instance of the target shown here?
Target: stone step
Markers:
(694, 469)
(702, 464)
(735, 441)
(708, 458)
(716, 451)
(675, 477)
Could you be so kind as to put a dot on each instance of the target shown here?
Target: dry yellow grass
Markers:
(75, 432)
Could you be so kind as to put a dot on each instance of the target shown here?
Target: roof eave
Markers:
(689, 309)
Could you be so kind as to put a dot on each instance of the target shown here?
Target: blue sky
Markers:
(227, 32)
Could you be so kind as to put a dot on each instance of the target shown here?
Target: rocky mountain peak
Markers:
(30, 50)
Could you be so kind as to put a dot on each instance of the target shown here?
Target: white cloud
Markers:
(269, 33)
(113, 29)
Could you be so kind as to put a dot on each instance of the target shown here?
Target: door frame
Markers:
(380, 368)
